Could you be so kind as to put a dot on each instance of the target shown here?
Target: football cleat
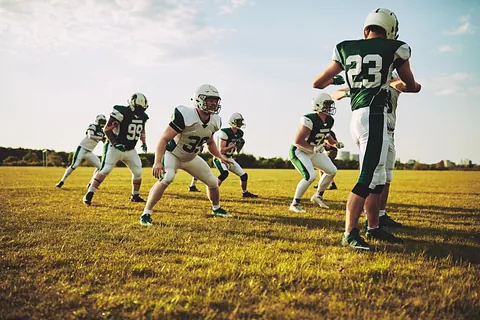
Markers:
(387, 221)
(146, 219)
(333, 186)
(354, 240)
(382, 234)
(247, 194)
(296, 207)
(136, 198)
(59, 185)
(318, 200)
(194, 189)
(87, 199)
(220, 212)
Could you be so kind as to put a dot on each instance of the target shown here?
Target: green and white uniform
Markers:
(368, 65)
(306, 162)
(128, 133)
(94, 134)
(227, 135)
(393, 95)
(182, 151)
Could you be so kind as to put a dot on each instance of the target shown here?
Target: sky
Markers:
(62, 62)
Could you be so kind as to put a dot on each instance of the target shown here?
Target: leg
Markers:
(193, 187)
(134, 163)
(76, 161)
(223, 169)
(303, 163)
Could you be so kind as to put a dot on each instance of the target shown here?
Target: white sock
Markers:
(146, 211)
(382, 213)
(92, 189)
(215, 206)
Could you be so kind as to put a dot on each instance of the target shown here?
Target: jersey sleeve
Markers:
(92, 127)
(337, 57)
(178, 121)
(306, 122)
(222, 135)
(117, 113)
(403, 52)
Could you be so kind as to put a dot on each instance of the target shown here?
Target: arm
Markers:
(91, 135)
(167, 135)
(400, 86)
(326, 77)
(143, 138)
(212, 148)
(109, 127)
(341, 93)
(406, 76)
(300, 139)
(224, 148)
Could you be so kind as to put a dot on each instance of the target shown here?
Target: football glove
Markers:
(340, 145)
(318, 149)
(240, 142)
(144, 148)
(338, 80)
(120, 146)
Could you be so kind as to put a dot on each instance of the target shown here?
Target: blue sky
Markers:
(64, 62)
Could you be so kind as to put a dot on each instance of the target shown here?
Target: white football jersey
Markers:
(392, 108)
(88, 143)
(193, 132)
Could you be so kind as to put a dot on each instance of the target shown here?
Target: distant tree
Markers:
(10, 161)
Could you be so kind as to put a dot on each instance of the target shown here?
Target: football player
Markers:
(231, 141)
(179, 145)
(306, 153)
(368, 64)
(124, 128)
(94, 134)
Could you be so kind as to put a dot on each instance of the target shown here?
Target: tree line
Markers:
(32, 157)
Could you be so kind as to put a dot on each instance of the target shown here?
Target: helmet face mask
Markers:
(207, 99)
(323, 102)
(138, 103)
(385, 19)
(237, 121)
(100, 120)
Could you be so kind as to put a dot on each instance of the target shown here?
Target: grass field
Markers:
(63, 260)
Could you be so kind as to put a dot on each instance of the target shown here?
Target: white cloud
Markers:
(232, 6)
(147, 31)
(452, 84)
(465, 27)
(446, 49)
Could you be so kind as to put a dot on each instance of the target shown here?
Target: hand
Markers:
(340, 145)
(158, 170)
(144, 148)
(318, 149)
(120, 146)
(228, 162)
(338, 80)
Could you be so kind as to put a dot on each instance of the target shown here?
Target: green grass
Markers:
(63, 260)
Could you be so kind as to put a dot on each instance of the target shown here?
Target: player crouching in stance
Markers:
(86, 146)
(124, 127)
(306, 153)
(231, 140)
(180, 144)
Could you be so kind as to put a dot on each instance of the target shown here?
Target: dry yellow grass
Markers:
(63, 260)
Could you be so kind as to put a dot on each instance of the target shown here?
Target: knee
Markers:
(361, 190)
(331, 171)
(223, 176)
(168, 177)
(106, 170)
(211, 182)
(244, 177)
(312, 176)
(137, 173)
(378, 189)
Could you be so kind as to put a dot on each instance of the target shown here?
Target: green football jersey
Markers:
(228, 135)
(131, 126)
(319, 130)
(368, 65)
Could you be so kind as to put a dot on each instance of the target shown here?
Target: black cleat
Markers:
(136, 198)
(59, 185)
(247, 194)
(387, 221)
(354, 240)
(87, 199)
(194, 189)
(333, 186)
(382, 234)
(146, 219)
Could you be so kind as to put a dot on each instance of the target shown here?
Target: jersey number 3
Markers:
(195, 143)
(369, 67)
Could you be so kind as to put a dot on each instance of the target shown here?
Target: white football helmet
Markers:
(202, 93)
(323, 102)
(138, 102)
(385, 19)
(100, 120)
(237, 121)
